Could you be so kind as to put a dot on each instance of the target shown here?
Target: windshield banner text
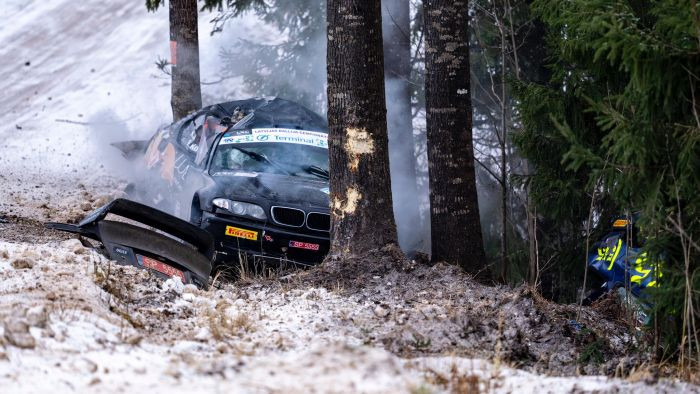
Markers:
(289, 136)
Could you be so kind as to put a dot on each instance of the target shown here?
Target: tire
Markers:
(185, 257)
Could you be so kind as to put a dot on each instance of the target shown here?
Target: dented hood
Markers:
(274, 188)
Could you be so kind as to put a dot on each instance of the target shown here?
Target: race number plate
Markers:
(160, 267)
(303, 245)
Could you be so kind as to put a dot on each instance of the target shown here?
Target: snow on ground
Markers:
(72, 322)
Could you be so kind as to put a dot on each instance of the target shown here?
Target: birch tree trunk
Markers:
(454, 209)
(361, 206)
(184, 57)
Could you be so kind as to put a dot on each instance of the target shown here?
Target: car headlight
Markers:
(240, 208)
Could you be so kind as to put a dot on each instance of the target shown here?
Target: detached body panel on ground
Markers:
(178, 249)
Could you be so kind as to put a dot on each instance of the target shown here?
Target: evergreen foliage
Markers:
(153, 5)
(235, 7)
(507, 45)
(291, 68)
(619, 115)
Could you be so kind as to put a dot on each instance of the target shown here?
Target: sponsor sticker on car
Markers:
(241, 233)
(303, 245)
(290, 136)
(160, 267)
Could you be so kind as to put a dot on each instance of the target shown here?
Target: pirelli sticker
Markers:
(241, 233)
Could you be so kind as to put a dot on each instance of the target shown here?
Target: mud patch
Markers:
(414, 309)
(27, 230)
(63, 198)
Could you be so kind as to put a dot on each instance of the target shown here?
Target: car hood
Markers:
(276, 189)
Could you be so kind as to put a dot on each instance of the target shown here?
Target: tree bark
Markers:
(361, 206)
(396, 27)
(184, 57)
(456, 230)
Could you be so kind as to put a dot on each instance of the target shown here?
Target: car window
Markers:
(190, 134)
(282, 152)
(210, 129)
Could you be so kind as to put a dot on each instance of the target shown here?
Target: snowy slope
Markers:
(79, 74)
(71, 61)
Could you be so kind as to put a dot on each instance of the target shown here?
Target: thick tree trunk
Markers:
(456, 230)
(396, 26)
(361, 207)
(184, 54)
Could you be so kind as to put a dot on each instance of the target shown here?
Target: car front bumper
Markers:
(235, 235)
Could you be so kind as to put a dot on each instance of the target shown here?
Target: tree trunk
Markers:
(504, 164)
(361, 206)
(396, 26)
(184, 54)
(454, 208)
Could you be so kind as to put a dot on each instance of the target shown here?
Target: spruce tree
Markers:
(620, 115)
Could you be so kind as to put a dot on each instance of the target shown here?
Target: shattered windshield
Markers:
(276, 151)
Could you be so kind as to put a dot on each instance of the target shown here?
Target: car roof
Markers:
(269, 112)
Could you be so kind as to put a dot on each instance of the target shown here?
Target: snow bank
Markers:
(74, 322)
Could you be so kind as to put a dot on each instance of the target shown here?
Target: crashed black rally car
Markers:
(252, 178)
(253, 173)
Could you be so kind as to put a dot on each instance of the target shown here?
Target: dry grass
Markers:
(610, 307)
(456, 382)
(120, 297)
(242, 322)
(224, 326)
(689, 372)
(250, 270)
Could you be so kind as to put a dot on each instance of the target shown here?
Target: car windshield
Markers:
(276, 151)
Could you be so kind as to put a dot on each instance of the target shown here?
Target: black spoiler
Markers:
(186, 231)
